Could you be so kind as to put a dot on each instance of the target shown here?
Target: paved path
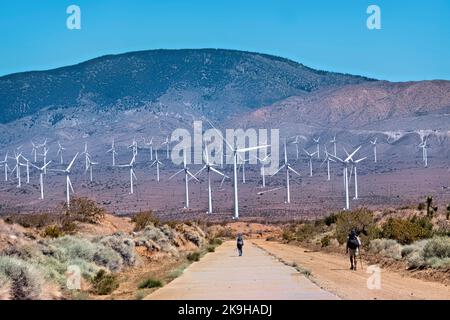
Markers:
(224, 275)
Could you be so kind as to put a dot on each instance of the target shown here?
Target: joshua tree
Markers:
(448, 212)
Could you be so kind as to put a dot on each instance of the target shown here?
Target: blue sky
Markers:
(413, 44)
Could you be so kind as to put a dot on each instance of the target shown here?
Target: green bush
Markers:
(211, 249)
(331, 219)
(143, 219)
(387, 248)
(104, 283)
(360, 220)
(193, 256)
(305, 232)
(150, 283)
(52, 231)
(407, 231)
(215, 242)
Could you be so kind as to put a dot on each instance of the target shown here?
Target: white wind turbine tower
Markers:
(27, 165)
(424, 147)
(316, 140)
(187, 174)
(333, 141)
(41, 177)
(45, 154)
(264, 161)
(34, 151)
(157, 163)
(60, 153)
(166, 143)
(150, 146)
(17, 169)
(328, 159)
(86, 156)
(134, 147)
(288, 168)
(91, 164)
(345, 163)
(209, 167)
(242, 165)
(5, 165)
(310, 155)
(374, 143)
(68, 182)
(132, 175)
(235, 151)
(296, 142)
(355, 166)
(113, 152)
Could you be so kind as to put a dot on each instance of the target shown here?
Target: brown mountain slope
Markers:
(354, 106)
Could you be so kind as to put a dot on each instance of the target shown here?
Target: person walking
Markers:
(352, 248)
(240, 244)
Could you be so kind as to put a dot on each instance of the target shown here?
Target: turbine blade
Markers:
(176, 173)
(278, 170)
(293, 171)
(71, 163)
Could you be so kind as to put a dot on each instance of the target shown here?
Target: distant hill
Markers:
(213, 82)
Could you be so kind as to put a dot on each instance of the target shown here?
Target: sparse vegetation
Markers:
(85, 210)
(193, 256)
(407, 231)
(104, 283)
(150, 283)
(360, 220)
(143, 219)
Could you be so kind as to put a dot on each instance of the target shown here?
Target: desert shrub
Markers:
(150, 283)
(447, 215)
(85, 210)
(361, 220)
(215, 242)
(437, 247)
(5, 288)
(143, 219)
(325, 241)
(211, 249)
(107, 257)
(387, 248)
(305, 232)
(123, 245)
(52, 231)
(331, 219)
(24, 279)
(407, 231)
(33, 220)
(193, 256)
(225, 232)
(104, 283)
(421, 206)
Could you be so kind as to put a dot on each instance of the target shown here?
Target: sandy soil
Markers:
(331, 272)
(224, 275)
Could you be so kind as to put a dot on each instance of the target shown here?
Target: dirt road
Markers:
(331, 272)
(256, 275)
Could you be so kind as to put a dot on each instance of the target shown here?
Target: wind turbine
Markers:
(60, 152)
(310, 155)
(157, 163)
(34, 151)
(288, 168)
(86, 156)
(67, 173)
(132, 175)
(235, 151)
(17, 169)
(333, 141)
(27, 165)
(113, 152)
(41, 177)
(6, 167)
(296, 142)
(316, 140)
(209, 167)
(328, 159)
(374, 142)
(187, 174)
(345, 163)
(355, 166)
(91, 164)
(167, 143)
(242, 165)
(134, 147)
(424, 147)
(45, 154)
(150, 144)
(263, 164)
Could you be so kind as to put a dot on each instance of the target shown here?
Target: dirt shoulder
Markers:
(331, 272)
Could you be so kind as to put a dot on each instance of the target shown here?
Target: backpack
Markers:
(240, 242)
(352, 242)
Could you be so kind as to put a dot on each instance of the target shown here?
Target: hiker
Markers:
(240, 244)
(353, 244)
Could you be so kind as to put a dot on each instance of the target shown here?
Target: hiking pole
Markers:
(360, 258)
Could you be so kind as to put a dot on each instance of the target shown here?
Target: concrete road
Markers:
(256, 275)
